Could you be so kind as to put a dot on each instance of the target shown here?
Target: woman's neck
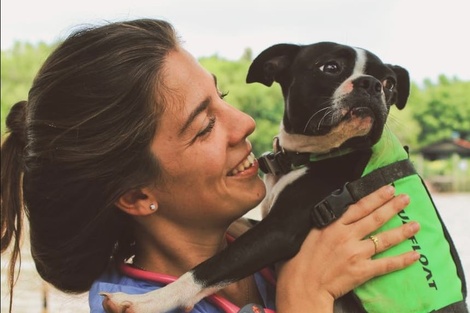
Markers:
(173, 250)
(166, 249)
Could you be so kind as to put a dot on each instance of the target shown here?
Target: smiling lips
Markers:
(244, 165)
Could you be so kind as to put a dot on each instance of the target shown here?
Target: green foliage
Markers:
(264, 104)
(403, 123)
(434, 111)
(19, 67)
(443, 109)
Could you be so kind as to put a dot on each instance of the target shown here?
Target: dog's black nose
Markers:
(369, 84)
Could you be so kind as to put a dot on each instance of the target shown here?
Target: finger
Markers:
(387, 239)
(379, 217)
(390, 264)
(368, 204)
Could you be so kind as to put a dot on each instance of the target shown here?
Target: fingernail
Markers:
(390, 190)
(414, 226)
(415, 256)
(406, 199)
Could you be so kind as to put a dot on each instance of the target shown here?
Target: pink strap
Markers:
(218, 301)
(145, 275)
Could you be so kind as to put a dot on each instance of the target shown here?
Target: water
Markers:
(455, 211)
(30, 290)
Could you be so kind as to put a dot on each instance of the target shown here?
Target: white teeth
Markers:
(247, 163)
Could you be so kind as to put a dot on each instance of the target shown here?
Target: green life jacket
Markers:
(434, 281)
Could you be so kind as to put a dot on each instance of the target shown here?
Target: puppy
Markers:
(333, 149)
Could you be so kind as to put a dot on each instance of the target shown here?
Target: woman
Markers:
(126, 147)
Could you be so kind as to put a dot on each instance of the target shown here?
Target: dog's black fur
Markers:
(310, 76)
(337, 98)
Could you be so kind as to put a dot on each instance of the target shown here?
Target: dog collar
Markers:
(281, 161)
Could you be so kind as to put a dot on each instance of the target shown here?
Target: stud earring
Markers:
(153, 207)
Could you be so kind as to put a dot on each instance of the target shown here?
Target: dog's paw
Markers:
(151, 302)
(124, 303)
(183, 293)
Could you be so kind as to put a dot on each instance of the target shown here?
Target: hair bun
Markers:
(16, 120)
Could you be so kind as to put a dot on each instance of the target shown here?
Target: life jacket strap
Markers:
(334, 205)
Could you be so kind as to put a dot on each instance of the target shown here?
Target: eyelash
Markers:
(209, 127)
(223, 94)
(212, 119)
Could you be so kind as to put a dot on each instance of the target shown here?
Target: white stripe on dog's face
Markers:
(347, 86)
(361, 60)
(343, 131)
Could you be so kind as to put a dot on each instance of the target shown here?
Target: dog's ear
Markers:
(403, 86)
(267, 66)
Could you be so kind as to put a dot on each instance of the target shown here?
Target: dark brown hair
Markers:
(80, 141)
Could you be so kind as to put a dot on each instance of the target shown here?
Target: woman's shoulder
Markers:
(113, 280)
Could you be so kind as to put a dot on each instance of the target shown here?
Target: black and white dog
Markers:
(337, 99)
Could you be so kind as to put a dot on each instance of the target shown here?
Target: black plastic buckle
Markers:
(270, 162)
(331, 207)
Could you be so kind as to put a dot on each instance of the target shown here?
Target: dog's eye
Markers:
(330, 67)
(389, 83)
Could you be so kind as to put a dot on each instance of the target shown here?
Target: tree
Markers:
(264, 104)
(443, 109)
(403, 123)
(19, 67)
(433, 112)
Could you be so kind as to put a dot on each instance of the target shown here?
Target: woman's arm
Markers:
(336, 259)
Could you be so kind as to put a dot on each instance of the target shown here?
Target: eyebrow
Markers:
(198, 110)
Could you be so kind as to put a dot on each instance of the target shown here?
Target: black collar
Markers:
(282, 161)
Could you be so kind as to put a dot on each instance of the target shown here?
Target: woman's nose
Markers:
(241, 125)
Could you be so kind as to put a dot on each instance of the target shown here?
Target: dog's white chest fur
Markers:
(274, 186)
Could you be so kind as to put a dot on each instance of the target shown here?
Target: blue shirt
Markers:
(112, 280)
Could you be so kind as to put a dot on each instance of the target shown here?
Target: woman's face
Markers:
(210, 175)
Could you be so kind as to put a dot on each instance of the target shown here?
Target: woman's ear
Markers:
(137, 202)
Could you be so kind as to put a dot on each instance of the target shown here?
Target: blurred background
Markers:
(425, 37)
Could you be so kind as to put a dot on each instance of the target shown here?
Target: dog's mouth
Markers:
(359, 121)
(360, 112)
(362, 116)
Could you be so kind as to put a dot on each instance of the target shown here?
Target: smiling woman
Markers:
(126, 154)
(200, 141)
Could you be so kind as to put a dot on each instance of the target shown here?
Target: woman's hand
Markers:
(334, 260)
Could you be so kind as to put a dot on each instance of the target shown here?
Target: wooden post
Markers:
(45, 294)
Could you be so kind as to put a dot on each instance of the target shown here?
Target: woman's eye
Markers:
(208, 128)
(331, 67)
(389, 83)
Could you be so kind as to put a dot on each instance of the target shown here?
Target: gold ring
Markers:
(375, 240)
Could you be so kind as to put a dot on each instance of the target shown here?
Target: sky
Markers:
(427, 37)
